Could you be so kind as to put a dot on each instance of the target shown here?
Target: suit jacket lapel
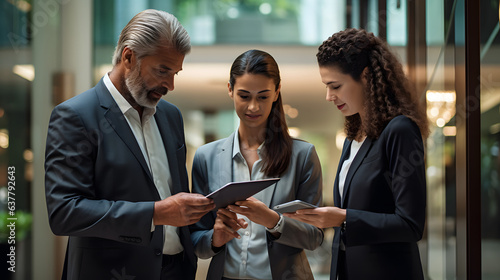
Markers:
(363, 150)
(117, 121)
(170, 147)
(345, 155)
(225, 161)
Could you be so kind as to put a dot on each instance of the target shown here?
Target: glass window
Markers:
(396, 23)
(440, 152)
(209, 22)
(490, 139)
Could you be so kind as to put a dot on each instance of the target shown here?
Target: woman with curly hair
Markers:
(380, 187)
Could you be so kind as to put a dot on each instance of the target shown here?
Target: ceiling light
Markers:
(26, 71)
(265, 8)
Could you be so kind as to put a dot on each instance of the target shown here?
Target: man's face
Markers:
(153, 76)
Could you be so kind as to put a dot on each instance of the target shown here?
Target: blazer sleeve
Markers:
(405, 175)
(70, 186)
(298, 234)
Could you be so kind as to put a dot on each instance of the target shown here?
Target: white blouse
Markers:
(355, 145)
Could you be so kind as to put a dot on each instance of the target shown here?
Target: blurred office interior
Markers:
(51, 50)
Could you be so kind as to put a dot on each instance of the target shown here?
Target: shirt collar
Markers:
(122, 103)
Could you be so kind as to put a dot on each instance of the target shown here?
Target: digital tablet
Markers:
(292, 206)
(236, 191)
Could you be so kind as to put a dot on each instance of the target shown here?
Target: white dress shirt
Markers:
(148, 137)
(355, 145)
(247, 258)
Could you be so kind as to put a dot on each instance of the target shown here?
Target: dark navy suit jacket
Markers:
(100, 192)
(385, 198)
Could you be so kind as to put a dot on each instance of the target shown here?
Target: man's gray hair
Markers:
(149, 30)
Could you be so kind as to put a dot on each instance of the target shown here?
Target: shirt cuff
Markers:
(152, 224)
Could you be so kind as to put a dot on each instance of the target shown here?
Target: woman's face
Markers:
(253, 97)
(341, 89)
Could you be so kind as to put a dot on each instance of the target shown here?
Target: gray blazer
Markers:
(212, 168)
(100, 192)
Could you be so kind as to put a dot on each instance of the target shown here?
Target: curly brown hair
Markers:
(388, 92)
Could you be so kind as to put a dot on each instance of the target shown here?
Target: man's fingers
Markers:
(201, 209)
(194, 199)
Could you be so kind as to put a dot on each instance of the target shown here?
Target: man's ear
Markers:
(128, 58)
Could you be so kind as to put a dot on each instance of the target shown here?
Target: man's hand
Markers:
(181, 209)
(225, 227)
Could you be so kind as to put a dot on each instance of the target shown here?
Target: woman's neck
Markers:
(251, 138)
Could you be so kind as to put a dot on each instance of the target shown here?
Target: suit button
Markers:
(158, 252)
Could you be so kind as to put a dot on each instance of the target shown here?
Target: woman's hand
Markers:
(321, 217)
(225, 227)
(256, 211)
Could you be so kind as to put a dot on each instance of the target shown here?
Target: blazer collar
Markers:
(363, 150)
(165, 128)
(345, 155)
(225, 161)
(116, 120)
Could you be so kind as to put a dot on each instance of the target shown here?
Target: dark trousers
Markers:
(172, 267)
(342, 266)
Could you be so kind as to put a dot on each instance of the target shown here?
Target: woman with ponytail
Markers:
(248, 240)
(380, 187)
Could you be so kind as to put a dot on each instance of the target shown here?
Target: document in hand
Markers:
(236, 191)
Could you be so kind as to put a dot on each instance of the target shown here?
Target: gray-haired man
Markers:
(116, 179)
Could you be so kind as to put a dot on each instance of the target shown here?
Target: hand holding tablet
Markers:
(237, 191)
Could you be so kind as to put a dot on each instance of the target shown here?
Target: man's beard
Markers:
(140, 92)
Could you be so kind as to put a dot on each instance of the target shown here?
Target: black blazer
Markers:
(385, 198)
(100, 192)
